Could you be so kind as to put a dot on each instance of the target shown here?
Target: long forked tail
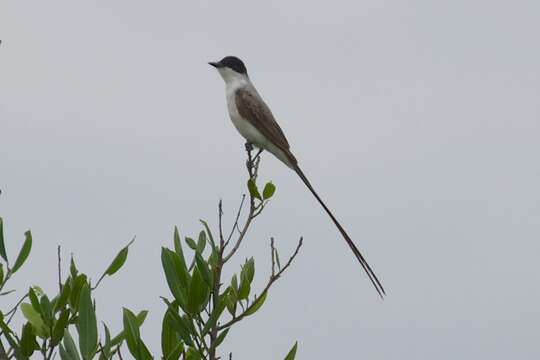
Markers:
(374, 280)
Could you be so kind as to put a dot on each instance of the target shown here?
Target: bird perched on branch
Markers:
(255, 122)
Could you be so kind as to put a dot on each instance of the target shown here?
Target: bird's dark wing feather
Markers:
(252, 108)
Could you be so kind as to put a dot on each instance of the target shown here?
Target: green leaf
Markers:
(207, 228)
(25, 251)
(78, 284)
(60, 326)
(63, 354)
(253, 191)
(176, 275)
(73, 269)
(46, 310)
(201, 243)
(177, 322)
(69, 345)
(107, 346)
(203, 268)
(131, 331)
(63, 297)
(7, 332)
(136, 346)
(234, 284)
(38, 290)
(256, 305)
(28, 342)
(213, 258)
(191, 243)
(198, 292)
(193, 354)
(2, 244)
(1, 273)
(119, 260)
(141, 316)
(178, 244)
(34, 300)
(231, 301)
(249, 268)
(35, 319)
(176, 352)
(169, 339)
(245, 288)
(87, 324)
(292, 354)
(216, 313)
(269, 190)
(246, 277)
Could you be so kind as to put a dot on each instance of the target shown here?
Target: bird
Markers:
(255, 122)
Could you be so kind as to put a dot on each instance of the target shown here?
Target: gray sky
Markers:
(423, 121)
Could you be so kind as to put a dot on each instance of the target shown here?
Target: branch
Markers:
(253, 169)
(235, 225)
(273, 278)
(59, 270)
(220, 217)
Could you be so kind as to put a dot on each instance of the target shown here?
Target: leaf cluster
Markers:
(199, 312)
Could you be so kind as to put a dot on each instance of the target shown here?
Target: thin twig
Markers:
(272, 249)
(243, 233)
(276, 276)
(271, 281)
(252, 167)
(220, 217)
(235, 226)
(13, 310)
(198, 322)
(59, 270)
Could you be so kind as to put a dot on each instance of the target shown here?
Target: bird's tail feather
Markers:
(374, 280)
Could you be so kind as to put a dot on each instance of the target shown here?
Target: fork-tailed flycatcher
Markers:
(255, 122)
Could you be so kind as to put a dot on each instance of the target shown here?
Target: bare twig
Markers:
(271, 281)
(273, 255)
(253, 168)
(235, 225)
(243, 233)
(274, 277)
(220, 217)
(13, 310)
(198, 321)
(59, 269)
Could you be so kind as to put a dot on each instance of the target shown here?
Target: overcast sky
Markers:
(418, 122)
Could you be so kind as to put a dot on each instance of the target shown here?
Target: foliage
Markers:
(198, 314)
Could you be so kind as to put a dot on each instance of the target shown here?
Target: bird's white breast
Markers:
(244, 127)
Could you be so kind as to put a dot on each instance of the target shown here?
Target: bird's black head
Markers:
(231, 62)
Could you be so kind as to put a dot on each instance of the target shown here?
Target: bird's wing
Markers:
(253, 109)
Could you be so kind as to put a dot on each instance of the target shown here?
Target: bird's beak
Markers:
(214, 64)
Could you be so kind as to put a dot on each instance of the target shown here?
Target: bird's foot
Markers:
(258, 154)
